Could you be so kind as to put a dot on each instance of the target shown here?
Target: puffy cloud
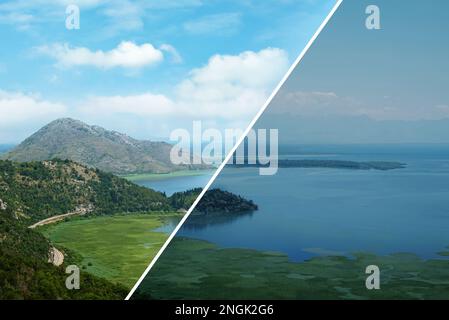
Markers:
(127, 55)
(227, 87)
(231, 86)
(225, 93)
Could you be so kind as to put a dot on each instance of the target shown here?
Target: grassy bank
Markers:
(160, 176)
(192, 269)
(117, 248)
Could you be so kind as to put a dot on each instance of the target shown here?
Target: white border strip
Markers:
(229, 155)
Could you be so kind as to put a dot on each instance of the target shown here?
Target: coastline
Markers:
(163, 176)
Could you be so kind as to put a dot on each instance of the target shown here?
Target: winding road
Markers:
(55, 256)
(79, 212)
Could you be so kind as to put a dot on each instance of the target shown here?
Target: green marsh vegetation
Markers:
(193, 269)
(117, 248)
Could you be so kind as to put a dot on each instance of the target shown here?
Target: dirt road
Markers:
(78, 212)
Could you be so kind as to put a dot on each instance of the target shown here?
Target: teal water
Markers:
(316, 211)
(170, 185)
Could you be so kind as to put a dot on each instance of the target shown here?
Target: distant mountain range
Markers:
(95, 147)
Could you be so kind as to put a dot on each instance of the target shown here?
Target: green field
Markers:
(117, 248)
(161, 176)
(193, 269)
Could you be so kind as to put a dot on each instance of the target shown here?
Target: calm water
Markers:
(170, 185)
(307, 212)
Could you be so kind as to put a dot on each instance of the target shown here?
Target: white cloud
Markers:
(225, 93)
(19, 108)
(224, 23)
(21, 114)
(127, 55)
(228, 87)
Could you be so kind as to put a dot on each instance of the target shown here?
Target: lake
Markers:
(304, 212)
(172, 184)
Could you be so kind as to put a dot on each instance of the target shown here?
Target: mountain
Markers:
(94, 147)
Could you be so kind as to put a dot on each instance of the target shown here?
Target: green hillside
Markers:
(36, 190)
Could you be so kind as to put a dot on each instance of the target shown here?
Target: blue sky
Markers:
(146, 67)
(371, 86)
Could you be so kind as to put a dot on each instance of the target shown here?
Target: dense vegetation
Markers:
(213, 201)
(36, 190)
(26, 274)
(337, 164)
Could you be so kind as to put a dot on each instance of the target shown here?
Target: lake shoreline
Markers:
(163, 176)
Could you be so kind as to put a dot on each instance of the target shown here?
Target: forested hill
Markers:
(213, 201)
(36, 190)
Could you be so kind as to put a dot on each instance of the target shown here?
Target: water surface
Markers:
(305, 212)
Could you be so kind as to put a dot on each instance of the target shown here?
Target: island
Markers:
(213, 201)
(336, 164)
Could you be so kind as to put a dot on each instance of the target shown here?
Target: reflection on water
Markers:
(203, 221)
(199, 221)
